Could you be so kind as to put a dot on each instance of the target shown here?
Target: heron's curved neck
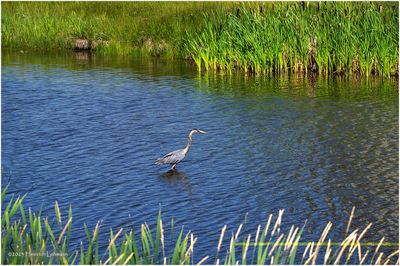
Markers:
(189, 142)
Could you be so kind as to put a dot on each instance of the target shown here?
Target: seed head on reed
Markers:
(378, 260)
(290, 242)
(351, 217)
(327, 252)
(115, 237)
(277, 242)
(257, 234)
(127, 259)
(267, 225)
(306, 249)
(364, 231)
(202, 260)
(278, 222)
(64, 230)
(162, 238)
(246, 246)
(221, 237)
(238, 231)
(107, 261)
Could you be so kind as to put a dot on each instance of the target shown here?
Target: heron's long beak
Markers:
(202, 132)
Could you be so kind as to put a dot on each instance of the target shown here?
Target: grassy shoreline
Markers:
(31, 238)
(124, 28)
(258, 38)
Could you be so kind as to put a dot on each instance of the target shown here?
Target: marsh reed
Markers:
(31, 238)
(323, 37)
(335, 38)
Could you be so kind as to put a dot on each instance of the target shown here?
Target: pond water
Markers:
(86, 130)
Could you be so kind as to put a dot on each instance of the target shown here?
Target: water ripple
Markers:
(89, 137)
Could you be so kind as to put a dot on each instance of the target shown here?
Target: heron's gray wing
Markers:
(171, 158)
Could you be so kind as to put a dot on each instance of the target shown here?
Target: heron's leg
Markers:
(173, 167)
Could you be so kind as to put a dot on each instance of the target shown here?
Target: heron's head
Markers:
(198, 131)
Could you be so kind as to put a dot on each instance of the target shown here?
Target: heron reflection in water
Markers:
(179, 181)
(175, 157)
(175, 176)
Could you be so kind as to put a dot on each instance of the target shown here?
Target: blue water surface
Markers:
(85, 131)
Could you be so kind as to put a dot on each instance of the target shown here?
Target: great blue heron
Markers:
(175, 157)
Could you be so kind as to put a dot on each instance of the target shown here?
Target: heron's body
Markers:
(175, 157)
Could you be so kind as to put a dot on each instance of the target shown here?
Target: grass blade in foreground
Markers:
(23, 239)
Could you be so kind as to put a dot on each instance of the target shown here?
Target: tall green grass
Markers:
(126, 28)
(30, 238)
(327, 37)
(255, 37)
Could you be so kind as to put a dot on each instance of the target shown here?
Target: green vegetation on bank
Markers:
(30, 238)
(328, 37)
(256, 37)
(127, 28)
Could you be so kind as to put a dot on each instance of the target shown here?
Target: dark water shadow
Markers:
(176, 178)
(174, 175)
